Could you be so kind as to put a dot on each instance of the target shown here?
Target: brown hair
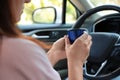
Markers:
(8, 25)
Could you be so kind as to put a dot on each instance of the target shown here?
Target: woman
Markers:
(22, 59)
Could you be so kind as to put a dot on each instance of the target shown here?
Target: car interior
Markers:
(52, 19)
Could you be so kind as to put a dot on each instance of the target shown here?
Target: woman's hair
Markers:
(8, 25)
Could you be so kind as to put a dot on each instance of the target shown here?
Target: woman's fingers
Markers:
(84, 36)
(88, 40)
(67, 42)
(84, 39)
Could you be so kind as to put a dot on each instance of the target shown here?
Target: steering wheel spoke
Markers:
(91, 71)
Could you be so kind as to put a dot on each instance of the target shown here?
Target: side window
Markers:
(26, 17)
(47, 11)
(71, 15)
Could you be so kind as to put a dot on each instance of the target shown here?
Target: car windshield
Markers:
(105, 2)
(96, 3)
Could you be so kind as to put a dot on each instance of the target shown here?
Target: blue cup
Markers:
(73, 34)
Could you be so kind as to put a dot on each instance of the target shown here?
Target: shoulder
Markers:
(18, 47)
(19, 43)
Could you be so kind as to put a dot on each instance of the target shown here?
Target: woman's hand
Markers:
(79, 50)
(57, 52)
(77, 54)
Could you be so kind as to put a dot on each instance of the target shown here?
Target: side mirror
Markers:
(44, 15)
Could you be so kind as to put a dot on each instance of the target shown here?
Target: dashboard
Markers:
(110, 23)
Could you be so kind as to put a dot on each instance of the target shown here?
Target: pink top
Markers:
(22, 59)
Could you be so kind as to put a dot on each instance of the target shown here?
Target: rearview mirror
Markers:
(44, 15)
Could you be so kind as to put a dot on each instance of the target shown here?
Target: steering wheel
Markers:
(104, 50)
